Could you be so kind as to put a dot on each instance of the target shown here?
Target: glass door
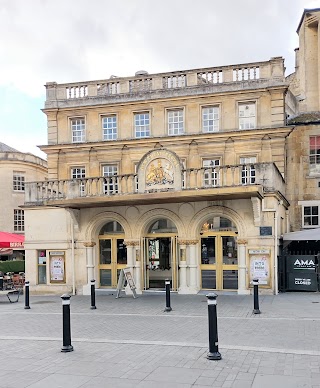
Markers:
(219, 261)
(229, 263)
(208, 262)
(160, 261)
(112, 258)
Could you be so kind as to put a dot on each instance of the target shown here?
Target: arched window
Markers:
(111, 227)
(218, 224)
(163, 225)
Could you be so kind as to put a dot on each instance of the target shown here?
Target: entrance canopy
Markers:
(303, 235)
(11, 240)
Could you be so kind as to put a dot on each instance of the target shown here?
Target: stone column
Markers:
(90, 267)
(137, 272)
(242, 267)
(182, 268)
(193, 266)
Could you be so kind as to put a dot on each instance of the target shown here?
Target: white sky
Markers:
(77, 40)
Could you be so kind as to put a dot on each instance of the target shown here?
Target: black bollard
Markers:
(67, 347)
(168, 307)
(26, 297)
(213, 353)
(255, 283)
(93, 295)
(1, 282)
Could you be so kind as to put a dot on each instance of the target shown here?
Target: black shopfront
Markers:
(298, 266)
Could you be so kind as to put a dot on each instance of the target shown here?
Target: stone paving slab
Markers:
(40, 365)
(133, 343)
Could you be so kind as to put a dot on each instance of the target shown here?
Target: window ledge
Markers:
(313, 176)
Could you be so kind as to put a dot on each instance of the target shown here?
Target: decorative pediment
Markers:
(159, 170)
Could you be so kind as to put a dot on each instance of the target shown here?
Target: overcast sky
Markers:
(78, 40)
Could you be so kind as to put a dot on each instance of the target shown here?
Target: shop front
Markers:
(299, 261)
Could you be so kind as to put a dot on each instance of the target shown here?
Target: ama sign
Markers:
(304, 264)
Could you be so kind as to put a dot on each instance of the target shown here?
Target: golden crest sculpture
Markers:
(159, 172)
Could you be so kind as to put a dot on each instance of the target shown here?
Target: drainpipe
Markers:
(72, 258)
(276, 291)
(275, 264)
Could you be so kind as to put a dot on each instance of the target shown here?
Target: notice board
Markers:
(57, 267)
(260, 266)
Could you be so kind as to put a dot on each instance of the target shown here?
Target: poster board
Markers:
(57, 267)
(260, 266)
(126, 275)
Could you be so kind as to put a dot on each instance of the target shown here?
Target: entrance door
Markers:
(219, 261)
(160, 263)
(113, 257)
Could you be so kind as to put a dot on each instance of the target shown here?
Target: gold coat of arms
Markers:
(159, 172)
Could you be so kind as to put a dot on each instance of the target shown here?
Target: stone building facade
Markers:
(16, 168)
(179, 176)
(303, 178)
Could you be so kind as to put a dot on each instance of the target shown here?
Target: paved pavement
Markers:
(130, 342)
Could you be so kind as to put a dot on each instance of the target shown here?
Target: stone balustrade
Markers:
(265, 175)
(272, 70)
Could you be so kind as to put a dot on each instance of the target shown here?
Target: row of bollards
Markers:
(213, 353)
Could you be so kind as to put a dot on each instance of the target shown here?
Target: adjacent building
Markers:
(187, 176)
(16, 168)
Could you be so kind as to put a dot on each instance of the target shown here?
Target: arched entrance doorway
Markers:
(160, 255)
(112, 254)
(219, 254)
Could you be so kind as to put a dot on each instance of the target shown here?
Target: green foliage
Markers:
(12, 266)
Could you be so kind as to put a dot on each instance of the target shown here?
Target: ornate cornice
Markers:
(182, 242)
(131, 243)
(188, 242)
(89, 244)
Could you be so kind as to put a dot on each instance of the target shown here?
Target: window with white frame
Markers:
(175, 122)
(78, 129)
(314, 154)
(210, 119)
(248, 171)
(211, 175)
(79, 173)
(310, 216)
(18, 180)
(142, 124)
(109, 127)
(18, 220)
(110, 183)
(247, 115)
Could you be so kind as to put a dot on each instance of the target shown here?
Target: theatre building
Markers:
(178, 176)
(175, 175)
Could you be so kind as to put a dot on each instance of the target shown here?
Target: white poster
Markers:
(259, 268)
(57, 272)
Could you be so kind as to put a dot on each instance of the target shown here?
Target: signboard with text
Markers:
(126, 277)
(260, 266)
(57, 266)
(301, 273)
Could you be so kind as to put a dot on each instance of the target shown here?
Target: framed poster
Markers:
(260, 266)
(57, 267)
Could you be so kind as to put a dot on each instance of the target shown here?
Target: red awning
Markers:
(11, 240)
